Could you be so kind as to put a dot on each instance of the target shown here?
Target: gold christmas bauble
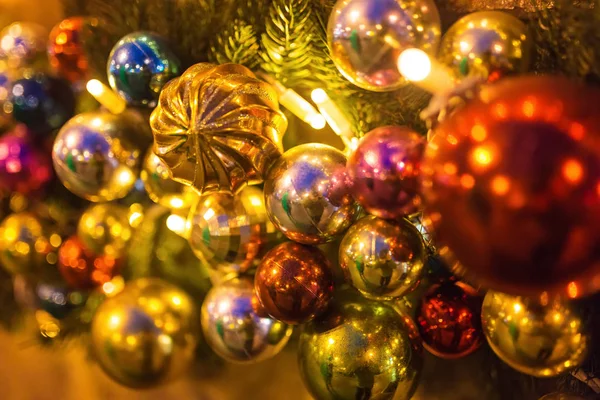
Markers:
(104, 229)
(234, 330)
(218, 127)
(147, 334)
(161, 188)
(539, 340)
(307, 194)
(488, 44)
(96, 155)
(26, 244)
(367, 37)
(23, 44)
(360, 349)
(384, 259)
(231, 231)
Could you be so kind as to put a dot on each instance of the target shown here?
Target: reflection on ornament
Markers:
(510, 183)
(94, 156)
(66, 50)
(234, 330)
(104, 229)
(21, 43)
(449, 320)
(384, 259)
(360, 349)
(384, 171)
(489, 44)
(161, 188)
(294, 283)
(81, 268)
(146, 335)
(367, 37)
(307, 194)
(139, 65)
(535, 339)
(231, 231)
(218, 128)
(27, 246)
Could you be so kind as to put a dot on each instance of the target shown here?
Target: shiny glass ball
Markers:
(366, 38)
(104, 229)
(307, 194)
(384, 259)
(234, 330)
(94, 156)
(139, 65)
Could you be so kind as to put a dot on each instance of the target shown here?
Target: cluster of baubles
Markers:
(507, 190)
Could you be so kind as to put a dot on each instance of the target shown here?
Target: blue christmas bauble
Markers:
(41, 103)
(139, 66)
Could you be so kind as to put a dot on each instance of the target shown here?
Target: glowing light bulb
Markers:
(105, 96)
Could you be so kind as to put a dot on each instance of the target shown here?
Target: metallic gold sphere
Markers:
(489, 44)
(234, 330)
(367, 37)
(104, 229)
(94, 156)
(360, 349)
(510, 185)
(147, 334)
(294, 283)
(231, 231)
(384, 259)
(161, 188)
(218, 128)
(26, 245)
(22, 44)
(307, 194)
(539, 340)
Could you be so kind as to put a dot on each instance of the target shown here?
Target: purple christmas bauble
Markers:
(23, 167)
(384, 171)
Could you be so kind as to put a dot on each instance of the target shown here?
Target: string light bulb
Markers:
(105, 96)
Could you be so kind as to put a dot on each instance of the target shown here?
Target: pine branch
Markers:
(288, 41)
(237, 44)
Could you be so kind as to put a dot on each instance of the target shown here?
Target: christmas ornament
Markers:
(535, 339)
(307, 194)
(22, 44)
(161, 188)
(360, 349)
(23, 168)
(511, 185)
(234, 330)
(294, 283)
(231, 231)
(384, 171)
(147, 334)
(66, 50)
(139, 65)
(40, 102)
(449, 319)
(561, 396)
(157, 248)
(83, 269)
(490, 44)
(26, 246)
(94, 156)
(218, 128)
(57, 300)
(367, 37)
(383, 258)
(104, 229)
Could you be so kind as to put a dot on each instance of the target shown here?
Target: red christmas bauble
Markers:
(81, 268)
(449, 320)
(66, 50)
(512, 186)
(294, 283)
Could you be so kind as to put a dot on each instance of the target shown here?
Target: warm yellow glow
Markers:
(176, 202)
(572, 290)
(573, 171)
(319, 96)
(334, 117)
(500, 185)
(483, 156)
(478, 133)
(105, 96)
(301, 108)
(414, 65)
(176, 223)
(517, 307)
(317, 121)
